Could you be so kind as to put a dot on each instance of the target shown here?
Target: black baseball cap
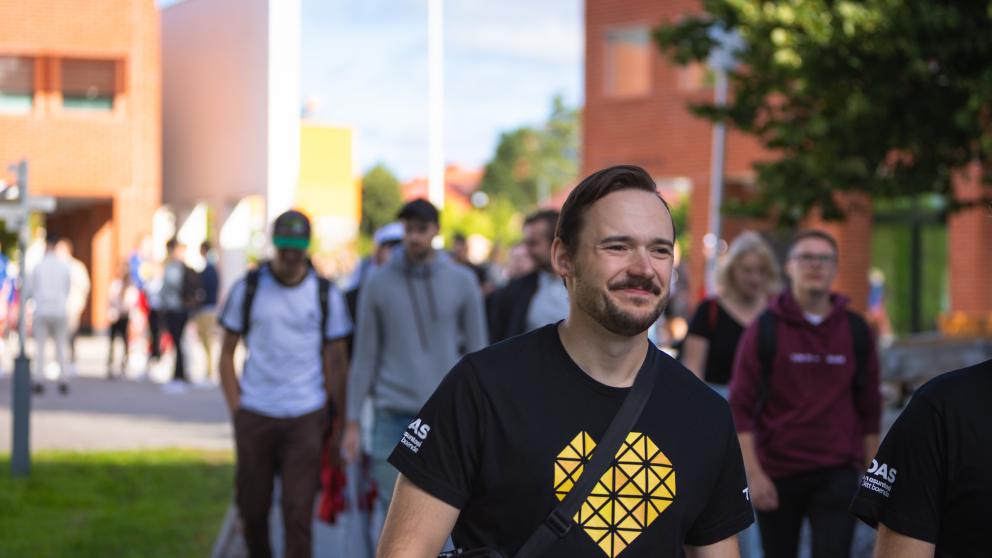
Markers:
(419, 209)
(291, 230)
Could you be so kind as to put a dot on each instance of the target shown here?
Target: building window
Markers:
(628, 62)
(88, 84)
(16, 84)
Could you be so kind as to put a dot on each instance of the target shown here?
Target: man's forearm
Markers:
(229, 382)
(748, 453)
(871, 448)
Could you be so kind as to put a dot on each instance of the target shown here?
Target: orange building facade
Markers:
(636, 112)
(80, 99)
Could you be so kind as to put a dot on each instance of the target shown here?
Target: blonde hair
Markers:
(748, 242)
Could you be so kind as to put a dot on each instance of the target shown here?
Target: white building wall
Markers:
(231, 111)
(284, 105)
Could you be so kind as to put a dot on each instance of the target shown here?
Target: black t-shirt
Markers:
(713, 323)
(505, 434)
(932, 477)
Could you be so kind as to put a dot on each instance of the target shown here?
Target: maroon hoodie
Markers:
(810, 419)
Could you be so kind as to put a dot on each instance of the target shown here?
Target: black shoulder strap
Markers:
(251, 285)
(767, 347)
(558, 524)
(323, 295)
(861, 337)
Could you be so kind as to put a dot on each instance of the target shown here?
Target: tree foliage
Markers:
(381, 198)
(529, 161)
(885, 97)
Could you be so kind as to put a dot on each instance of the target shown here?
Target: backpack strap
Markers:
(323, 295)
(251, 286)
(714, 314)
(860, 337)
(767, 347)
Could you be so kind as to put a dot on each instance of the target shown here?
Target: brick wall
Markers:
(658, 132)
(969, 254)
(112, 159)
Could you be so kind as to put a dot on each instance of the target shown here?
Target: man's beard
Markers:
(601, 307)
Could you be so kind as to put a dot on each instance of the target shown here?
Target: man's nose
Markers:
(640, 264)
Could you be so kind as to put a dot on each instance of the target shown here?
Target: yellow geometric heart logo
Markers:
(628, 497)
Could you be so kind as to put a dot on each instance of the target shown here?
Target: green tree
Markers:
(884, 97)
(533, 162)
(381, 198)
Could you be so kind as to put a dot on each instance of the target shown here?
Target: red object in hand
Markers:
(332, 496)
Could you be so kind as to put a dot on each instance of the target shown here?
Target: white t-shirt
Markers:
(283, 374)
(51, 281)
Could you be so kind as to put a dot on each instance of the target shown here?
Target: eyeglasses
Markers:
(810, 259)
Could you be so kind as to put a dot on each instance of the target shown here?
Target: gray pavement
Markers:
(99, 414)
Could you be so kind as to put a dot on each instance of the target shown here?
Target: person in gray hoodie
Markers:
(416, 315)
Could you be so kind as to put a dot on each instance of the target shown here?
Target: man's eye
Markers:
(616, 247)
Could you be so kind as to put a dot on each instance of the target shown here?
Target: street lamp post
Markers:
(18, 212)
(20, 455)
(722, 59)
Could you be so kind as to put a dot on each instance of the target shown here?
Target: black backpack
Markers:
(193, 293)
(251, 286)
(768, 345)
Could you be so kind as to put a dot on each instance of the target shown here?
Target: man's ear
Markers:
(561, 261)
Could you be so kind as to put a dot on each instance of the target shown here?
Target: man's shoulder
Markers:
(509, 360)
(973, 380)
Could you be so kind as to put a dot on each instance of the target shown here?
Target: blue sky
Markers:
(365, 65)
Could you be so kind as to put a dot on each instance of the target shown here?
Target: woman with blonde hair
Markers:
(746, 275)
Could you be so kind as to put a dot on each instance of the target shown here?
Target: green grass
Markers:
(167, 503)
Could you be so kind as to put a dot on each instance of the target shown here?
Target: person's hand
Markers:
(351, 444)
(764, 497)
(233, 406)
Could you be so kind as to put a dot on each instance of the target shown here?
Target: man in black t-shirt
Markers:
(508, 432)
(928, 489)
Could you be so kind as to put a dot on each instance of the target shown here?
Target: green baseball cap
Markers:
(291, 230)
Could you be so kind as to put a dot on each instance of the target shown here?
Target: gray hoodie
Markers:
(412, 322)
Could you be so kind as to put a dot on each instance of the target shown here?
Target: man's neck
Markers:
(422, 260)
(813, 302)
(606, 357)
(288, 278)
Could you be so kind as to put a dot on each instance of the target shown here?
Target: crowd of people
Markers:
(467, 400)
(482, 400)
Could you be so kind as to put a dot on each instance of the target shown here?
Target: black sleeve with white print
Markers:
(728, 510)
(439, 451)
(903, 486)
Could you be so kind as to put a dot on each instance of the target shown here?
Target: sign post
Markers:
(16, 213)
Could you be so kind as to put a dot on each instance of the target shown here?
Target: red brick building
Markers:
(636, 113)
(80, 99)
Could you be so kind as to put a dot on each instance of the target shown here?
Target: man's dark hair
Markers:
(172, 243)
(458, 237)
(814, 233)
(205, 246)
(596, 186)
(547, 216)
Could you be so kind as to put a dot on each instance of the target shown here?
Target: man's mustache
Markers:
(636, 283)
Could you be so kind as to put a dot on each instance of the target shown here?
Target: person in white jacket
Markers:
(79, 294)
(49, 288)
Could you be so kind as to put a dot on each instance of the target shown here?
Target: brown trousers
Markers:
(290, 448)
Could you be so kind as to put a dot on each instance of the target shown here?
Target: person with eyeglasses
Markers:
(805, 399)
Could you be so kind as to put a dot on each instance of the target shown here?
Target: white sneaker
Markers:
(174, 387)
